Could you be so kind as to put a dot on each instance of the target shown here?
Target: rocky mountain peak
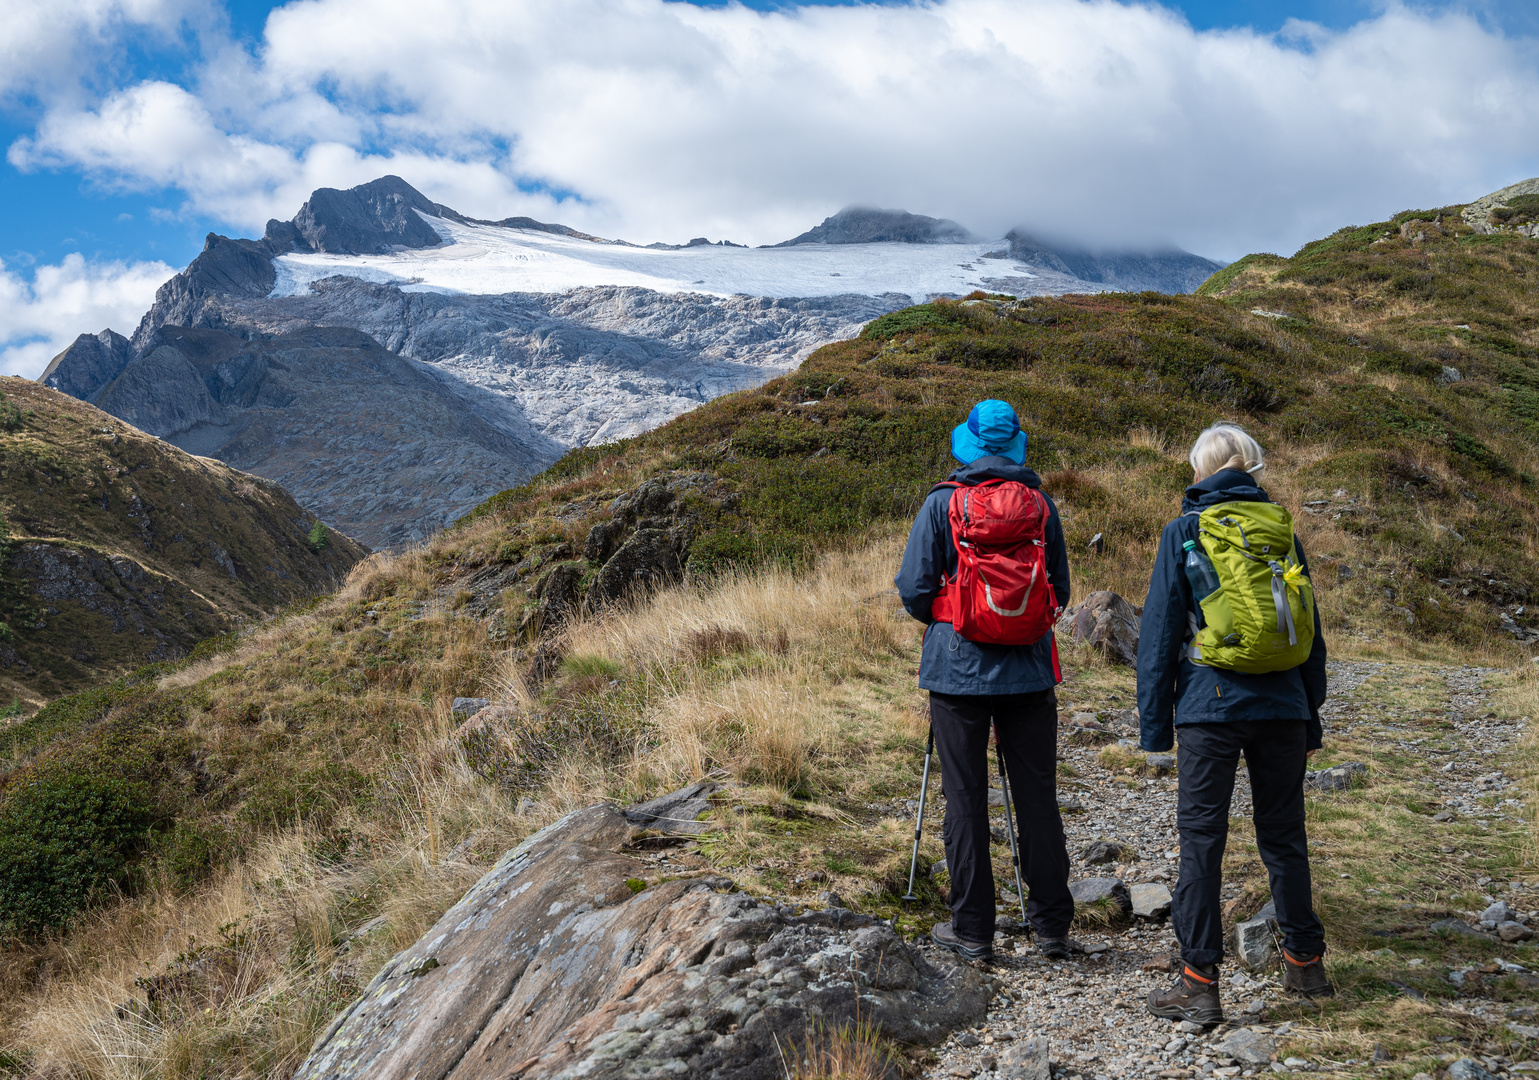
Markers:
(364, 220)
(862, 225)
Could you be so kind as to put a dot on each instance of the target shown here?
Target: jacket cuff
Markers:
(1314, 733)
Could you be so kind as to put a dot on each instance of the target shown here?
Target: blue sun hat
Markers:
(992, 429)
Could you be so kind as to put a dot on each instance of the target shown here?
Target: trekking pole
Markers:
(924, 790)
(1015, 857)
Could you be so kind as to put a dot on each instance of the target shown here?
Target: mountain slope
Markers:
(549, 337)
(322, 763)
(121, 550)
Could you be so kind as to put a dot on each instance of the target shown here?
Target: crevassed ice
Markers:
(489, 260)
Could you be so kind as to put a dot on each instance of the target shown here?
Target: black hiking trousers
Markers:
(1028, 736)
(1207, 759)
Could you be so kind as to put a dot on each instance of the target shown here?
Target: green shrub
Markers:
(319, 536)
(66, 837)
(910, 319)
(190, 852)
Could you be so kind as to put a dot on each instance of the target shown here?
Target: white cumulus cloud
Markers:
(40, 316)
(1110, 122)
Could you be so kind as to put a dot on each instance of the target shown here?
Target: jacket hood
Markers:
(995, 468)
(1226, 485)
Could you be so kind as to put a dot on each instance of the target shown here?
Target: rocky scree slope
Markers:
(549, 369)
(120, 550)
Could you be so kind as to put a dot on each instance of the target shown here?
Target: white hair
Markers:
(1226, 446)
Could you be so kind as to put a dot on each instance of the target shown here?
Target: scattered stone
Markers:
(1523, 1031)
(1498, 912)
(967, 1038)
(1025, 1059)
(996, 796)
(1150, 900)
(465, 707)
(1161, 963)
(1444, 815)
(1296, 1062)
(1254, 941)
(1093, 890)
(1336, 778)
(1103, 851)
(832, 899)
(1469, 1069)
(1247, 1047)
(1456, 926)
(1161, 763)
(676, 812)
(1070, 806)
(1512, 931)
(1106, 622)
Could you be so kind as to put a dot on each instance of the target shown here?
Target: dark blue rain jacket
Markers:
(950, 663)
(1172, 689)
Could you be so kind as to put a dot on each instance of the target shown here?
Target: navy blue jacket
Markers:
(1171, 687)
(950, 663)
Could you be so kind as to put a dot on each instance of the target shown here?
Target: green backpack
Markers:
(1261, 617)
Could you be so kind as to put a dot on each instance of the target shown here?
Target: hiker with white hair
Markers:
(1231, 658)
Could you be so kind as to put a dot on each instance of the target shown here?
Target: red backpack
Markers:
(1000, 594)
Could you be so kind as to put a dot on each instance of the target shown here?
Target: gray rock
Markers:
(465, 707)
(676, 812)
(1255, 943)
(369, 219)
(1161, 762)
(1025, 1059)
(1498, 912)
(1512, 931)
(1336, 778)
(1247, 1047)
(1469, 1069)
(1456, 926)
(551, 967)
(996, 796)
(1106, 622)
(1523, 1031)
(1150, 900)
(1094, 890)
(559, 595)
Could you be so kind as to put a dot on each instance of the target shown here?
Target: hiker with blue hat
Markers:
(987, 572)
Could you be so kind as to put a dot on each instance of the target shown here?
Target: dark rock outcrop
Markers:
(1104, 621)
(91, 361)
(861, 225)
(645, 543)
(550, 966)
(1169, 271)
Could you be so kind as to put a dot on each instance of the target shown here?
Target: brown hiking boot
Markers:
(1306, 975)
(1194, 997)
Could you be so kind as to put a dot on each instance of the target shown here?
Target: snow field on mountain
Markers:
(491, 259)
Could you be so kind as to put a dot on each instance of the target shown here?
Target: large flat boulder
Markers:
(551, 966)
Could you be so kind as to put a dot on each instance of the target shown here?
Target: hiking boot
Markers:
(946, 938)
(1306, 975)
(1054, 948)
(1194, 997)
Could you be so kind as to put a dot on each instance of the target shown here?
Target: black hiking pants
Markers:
(1207, 759)
(1028, 736)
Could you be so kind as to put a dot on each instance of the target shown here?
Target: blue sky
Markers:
(130, 136)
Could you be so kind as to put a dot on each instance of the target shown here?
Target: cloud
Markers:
(1109, 122)
(48, 46)
(40, 317)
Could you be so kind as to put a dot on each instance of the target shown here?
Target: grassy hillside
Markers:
(263, 803)
(119, 549)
